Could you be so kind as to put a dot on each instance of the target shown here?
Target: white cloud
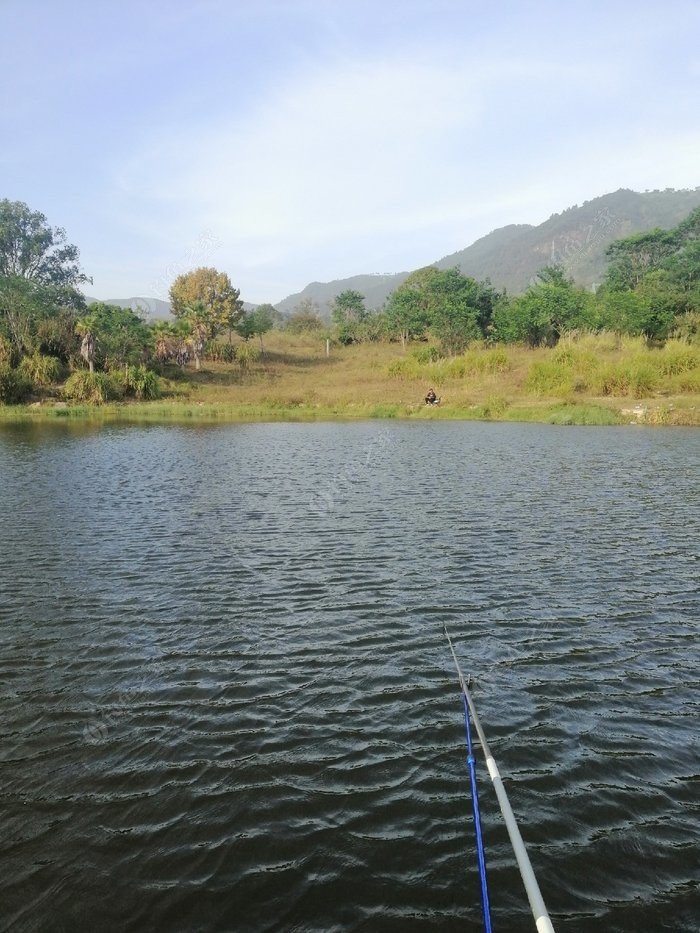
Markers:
(352, 164)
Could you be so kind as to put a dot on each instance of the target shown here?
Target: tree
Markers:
(206, 299)
(455, 307)
(347, 307)
(544, 311)
(39, 274)
(257, 323)
(305, 317)
(31, 249)
(113, 336)
(631, 258)
(461, 309)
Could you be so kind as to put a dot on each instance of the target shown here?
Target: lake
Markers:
(228, 702)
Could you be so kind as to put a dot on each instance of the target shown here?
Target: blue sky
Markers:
(285, 142)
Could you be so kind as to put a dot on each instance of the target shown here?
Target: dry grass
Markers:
(588, 379)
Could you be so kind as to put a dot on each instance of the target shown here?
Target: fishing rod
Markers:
(534, 896)
(480, 856)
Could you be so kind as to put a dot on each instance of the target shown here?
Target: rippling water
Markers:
(227, 702)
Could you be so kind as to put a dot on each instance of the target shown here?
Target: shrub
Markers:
(219, 352)
(15, 386)
(142, 383)
(94, 388)
(495, 361)
(247, 353)
(42, 370)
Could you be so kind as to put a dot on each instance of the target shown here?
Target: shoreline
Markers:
(584, 412)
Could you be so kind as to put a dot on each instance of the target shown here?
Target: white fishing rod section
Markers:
(534, 895)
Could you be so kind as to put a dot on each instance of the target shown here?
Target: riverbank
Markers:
(590, 380)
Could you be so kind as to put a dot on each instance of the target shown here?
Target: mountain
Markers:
(376, 289)
(576, 238)
(511, 256)
(150, 309)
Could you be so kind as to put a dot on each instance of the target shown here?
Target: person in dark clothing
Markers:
(431, 398)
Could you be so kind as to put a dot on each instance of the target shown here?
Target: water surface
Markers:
(227, 702)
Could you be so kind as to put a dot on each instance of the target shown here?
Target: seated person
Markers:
(431, 398)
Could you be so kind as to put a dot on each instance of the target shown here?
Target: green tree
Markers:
(631, 258)
(120, 336)
(30, 249)
(257, 323)
(348, 313)
(39, 274)
(544, 311)
(348, 306)
(461, 309)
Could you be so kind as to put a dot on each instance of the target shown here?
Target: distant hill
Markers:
(375, 288)
(511, 256)
(150, 309)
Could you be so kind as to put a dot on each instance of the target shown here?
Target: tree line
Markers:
(48, 331)
(651, 288)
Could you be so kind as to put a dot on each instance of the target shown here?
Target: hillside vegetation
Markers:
(628, 351)
(511, 256)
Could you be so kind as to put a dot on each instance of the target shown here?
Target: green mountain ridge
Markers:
(511, 256)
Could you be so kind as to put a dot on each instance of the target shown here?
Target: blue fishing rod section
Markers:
(480, 855)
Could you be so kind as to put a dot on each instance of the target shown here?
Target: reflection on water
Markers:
(227, 702)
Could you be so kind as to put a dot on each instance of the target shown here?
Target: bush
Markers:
(141, 383)
(42, 370)
(247, 353)
(94, 388)
(219, 352)
(15, 386)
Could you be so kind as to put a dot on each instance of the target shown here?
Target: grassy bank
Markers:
(591, 380)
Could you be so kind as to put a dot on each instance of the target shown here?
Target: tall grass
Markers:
(637, 371)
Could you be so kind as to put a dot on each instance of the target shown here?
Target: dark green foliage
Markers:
(632, 258)
(39, 274)
(56, 336)
(455, 308)
(544, 312)
(15, 385)
(122, 337)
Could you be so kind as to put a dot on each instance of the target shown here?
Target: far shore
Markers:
(585, 380)
(585, 412)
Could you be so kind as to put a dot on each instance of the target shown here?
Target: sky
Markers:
(290, 141)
